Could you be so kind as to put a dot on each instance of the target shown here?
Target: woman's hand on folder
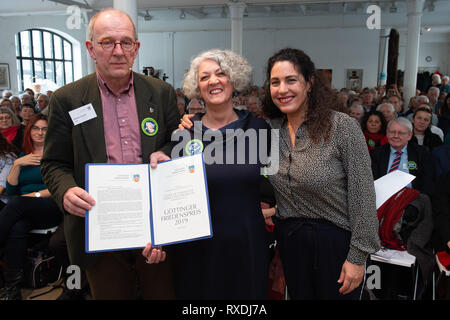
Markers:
(153, 255)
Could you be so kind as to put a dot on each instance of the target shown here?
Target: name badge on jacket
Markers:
(82, 114)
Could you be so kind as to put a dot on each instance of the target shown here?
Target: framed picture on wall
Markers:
(354, 79)
(4, 76)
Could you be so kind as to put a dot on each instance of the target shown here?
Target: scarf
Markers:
(10, 133)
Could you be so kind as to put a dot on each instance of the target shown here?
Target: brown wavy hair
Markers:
(7, 148)
(321, 100)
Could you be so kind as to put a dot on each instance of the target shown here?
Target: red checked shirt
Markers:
(121, 123)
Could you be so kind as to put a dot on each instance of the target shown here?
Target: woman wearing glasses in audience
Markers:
(10, 127)
(29, 207)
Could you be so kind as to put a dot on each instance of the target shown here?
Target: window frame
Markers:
(44, 60)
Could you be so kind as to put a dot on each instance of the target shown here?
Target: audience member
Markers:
(402, 155)
(421, 129)
(434, 119)
(367, 100)
(444, 117)
(26, 112)
(16, 104)
(10, 127)
(196, 106)
(445, 86)
(7, 94)
(8, 153)
(25, 98)
(42, 104)
(397, 102)
(34, 208)
(374, 129)
(388, 111)
(357, 112)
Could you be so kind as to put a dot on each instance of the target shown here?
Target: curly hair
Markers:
(233, 65)
(321, 100)
(380, 116)
(7, 148)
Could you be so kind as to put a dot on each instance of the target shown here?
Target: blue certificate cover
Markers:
(136, 204)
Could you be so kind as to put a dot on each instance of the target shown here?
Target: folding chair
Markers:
(443, 271)
(399, 258)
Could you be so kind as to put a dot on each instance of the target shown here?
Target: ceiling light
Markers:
(147, 16)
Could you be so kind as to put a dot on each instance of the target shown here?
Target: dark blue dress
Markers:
(233, 264)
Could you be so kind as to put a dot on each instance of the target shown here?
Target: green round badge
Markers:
(149, 126)
(194, 146)
(371, 143)
(411, 165)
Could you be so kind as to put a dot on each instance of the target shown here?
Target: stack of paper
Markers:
(401, 258)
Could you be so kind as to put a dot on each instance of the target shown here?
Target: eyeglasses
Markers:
(5, 118)
(35, 128)
(109, 45)
(399, 133)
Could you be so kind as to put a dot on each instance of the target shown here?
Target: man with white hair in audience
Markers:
(388, 111)
(42, 103)
(25, 98)
(6, 94)
(433, 96)
(445, 86)
(357, 112)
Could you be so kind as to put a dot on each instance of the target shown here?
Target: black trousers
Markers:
(312, 252)
(17, 218)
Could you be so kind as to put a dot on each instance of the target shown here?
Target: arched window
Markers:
(42, 54)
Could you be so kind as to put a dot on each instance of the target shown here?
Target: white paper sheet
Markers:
(390, 184)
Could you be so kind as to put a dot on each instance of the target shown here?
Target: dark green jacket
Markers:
(68, 148)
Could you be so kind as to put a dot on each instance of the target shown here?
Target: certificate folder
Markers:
(136, 204)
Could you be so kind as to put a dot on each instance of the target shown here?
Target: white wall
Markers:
(9, 26)
(336, 49)
(337, 43)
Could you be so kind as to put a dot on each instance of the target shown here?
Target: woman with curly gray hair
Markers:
(233, 264)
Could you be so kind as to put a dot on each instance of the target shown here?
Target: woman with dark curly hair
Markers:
(8, 153)
(374, 129)
(326, 222)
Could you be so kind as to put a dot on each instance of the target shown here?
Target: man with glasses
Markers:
(117, 104)
(401, 154)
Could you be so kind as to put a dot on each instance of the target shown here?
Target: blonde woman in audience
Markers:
(10, 127)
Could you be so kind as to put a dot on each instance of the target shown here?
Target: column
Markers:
(129, 7)
(236, 15)
(382, 57)
(414, 9)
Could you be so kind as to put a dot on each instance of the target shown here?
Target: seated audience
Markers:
(374, 129)
(421, 129)
(444, 117)
(445, 86)
(433, 96)
(33, 208)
